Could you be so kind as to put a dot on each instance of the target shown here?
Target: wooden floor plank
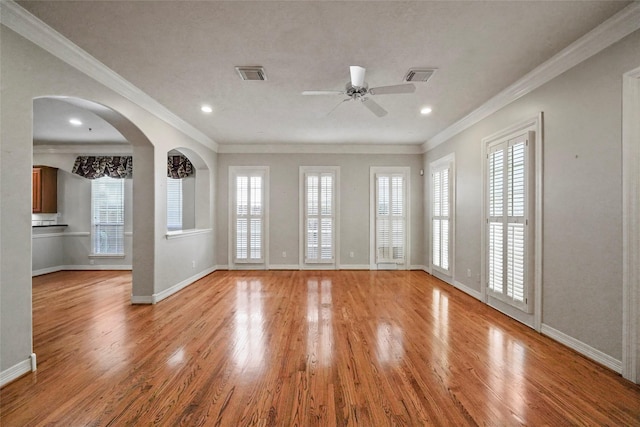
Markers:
(349, 348)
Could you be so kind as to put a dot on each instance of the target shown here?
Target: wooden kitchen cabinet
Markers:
(45, 189)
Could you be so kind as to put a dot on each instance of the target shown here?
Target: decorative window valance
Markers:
(179, 167)
(93, 167)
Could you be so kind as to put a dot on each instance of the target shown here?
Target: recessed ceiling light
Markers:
(75, 122)
(425, 111)
(206, 109)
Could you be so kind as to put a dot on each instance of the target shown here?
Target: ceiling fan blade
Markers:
(337, 105)
(357, 76)
(323, 92)
(387, 90)
(374, 107)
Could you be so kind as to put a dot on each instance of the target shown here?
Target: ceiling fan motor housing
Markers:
(356, 92)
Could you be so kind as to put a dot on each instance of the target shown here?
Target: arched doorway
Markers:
(111, 129)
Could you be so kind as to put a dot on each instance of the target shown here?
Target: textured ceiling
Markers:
(183, 54)
(51, 124)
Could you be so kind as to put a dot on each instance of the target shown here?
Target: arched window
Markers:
(181, 185)
(188, 192)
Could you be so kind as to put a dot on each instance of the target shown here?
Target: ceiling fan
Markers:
(358, 90)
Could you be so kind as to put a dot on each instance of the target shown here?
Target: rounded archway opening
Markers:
(73, 135)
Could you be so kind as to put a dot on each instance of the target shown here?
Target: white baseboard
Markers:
(179, 286)
(83, 267)
(144, 299)
(47, 270)
(582, 348)
(284, 267)
(388, 266)
(467, 290)
(97, 267)
(18, 370)
(248, 267)
(418, 267)
(222, 267)
(318, 267)
(353, 267)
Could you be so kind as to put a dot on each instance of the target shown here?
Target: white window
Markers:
(319, 208)
(442, 185)
(390, 212)
(174, 204)
(248, 203)
(107, 216)
(508, 210)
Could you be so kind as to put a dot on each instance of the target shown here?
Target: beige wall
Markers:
(582, 202)
(354, 202)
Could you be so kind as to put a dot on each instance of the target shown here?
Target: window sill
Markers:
(107, 255)
(186, 233)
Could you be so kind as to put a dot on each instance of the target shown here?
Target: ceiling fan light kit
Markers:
(358, 89)
(357, 76)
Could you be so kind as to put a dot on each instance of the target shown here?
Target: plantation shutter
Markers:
(390, 218)
(441, 221)
(174, 204)
(249, 218)
(319, 217)
(507, 220)
(107, 216)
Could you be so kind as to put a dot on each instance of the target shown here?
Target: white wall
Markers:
(354, 203)
(189, 203)
(48, 252)
(582, 200)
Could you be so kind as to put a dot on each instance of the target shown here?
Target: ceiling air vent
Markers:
(251, 73)
(419, 75)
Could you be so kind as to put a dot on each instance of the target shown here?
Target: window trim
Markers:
(406, 172)
(534, 124)
(631, 229)
(303, 170)
(233, 172)
(436, 165)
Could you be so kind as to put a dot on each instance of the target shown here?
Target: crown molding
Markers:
(604, 35)
(320, 148)
(36, 31)
(84, 149)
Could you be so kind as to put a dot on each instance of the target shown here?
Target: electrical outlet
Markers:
(193, 264)
(468, 272)
(351, 254)
(284, 254)
(92, 262)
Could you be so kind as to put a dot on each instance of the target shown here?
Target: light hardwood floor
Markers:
(299, 348)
